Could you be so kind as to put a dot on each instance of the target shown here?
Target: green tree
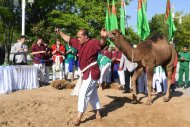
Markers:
(158, 26)
(79, 14)
(44, 15)
(132, 36)
(181, 36)
(7, 33)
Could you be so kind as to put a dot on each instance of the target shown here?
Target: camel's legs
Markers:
(150, 72)
(169, 71)
(133, 81)
(169, 76)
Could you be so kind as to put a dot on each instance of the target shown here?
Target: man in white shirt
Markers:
(20, 52)
(126, 69)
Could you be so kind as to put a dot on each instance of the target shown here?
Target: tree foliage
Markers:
(158, 25)
(132, 36)
(80, 14)
(182, 35)
(7, 29)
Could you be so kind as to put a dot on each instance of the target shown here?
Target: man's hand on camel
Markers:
(103, 32)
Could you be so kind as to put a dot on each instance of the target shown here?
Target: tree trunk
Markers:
(2, 54)
(8, 39)
(7, 54)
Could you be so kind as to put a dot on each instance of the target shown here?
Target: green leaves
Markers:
(181, 36)
(158, 26)
(83, 14)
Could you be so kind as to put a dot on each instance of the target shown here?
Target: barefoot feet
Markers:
(76, 122)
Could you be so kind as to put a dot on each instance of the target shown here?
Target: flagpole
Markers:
(23, 16)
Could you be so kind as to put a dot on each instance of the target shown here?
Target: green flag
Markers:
(122, 17)
(171, 26)
(145, 5)
(113, 17)
(143, 29)
(107, 25)
(108, 22)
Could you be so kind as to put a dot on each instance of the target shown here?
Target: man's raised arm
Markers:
(65, 37)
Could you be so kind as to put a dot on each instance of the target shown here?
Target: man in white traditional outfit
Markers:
(126, 68)
(88, 52)
(158, 79)
(105, 66)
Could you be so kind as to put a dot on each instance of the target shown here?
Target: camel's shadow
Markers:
(172, 94)
(155, 97)
(115, 104)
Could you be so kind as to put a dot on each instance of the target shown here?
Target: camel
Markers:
(148, 54)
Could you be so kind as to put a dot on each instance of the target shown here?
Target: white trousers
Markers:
(88, 93)
(41, 71)
(66, 68)
(108, 77)
(105, 73)
(158, 86)
(61, 73)
(121, 77)
(46, 80)
(157, 82)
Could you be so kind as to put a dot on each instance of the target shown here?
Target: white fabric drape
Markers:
(18, 77)
(6, 79)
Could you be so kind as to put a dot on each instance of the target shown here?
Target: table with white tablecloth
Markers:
(18, 77)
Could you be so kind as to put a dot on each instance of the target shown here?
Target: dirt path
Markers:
(48, 107)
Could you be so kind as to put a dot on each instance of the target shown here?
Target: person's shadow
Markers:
(115, 104)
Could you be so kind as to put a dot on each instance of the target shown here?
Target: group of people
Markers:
(97, 62)
(63, 58)
(44, 57)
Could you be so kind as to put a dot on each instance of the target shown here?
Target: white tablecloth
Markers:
(18, 77)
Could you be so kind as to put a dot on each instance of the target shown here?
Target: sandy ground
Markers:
(48, 107)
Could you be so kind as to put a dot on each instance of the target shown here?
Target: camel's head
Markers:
(113, 34)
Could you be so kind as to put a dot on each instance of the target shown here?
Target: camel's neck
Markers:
(126, 48)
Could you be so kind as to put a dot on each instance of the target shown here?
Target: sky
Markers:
(155, 7)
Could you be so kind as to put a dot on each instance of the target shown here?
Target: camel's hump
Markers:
(158, 38)
(155, 39)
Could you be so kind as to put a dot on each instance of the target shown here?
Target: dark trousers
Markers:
(22, 63)
(2, 55)
(127, 79)
(112, 72)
